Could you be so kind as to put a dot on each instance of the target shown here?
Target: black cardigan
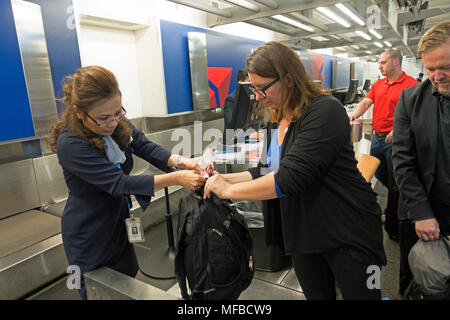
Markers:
(328, 204)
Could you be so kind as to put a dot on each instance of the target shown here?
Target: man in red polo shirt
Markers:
(384, 95)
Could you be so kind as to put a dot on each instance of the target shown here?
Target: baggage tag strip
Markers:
(135, 230)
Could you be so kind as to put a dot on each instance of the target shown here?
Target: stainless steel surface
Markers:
(33, 49)
(356, 130)
(18, 189)
(177, 120)
(31, 268)
(50, 179)
(25, 229)
(199, 70)
(107, 284)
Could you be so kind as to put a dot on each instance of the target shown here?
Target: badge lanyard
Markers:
(133, 224)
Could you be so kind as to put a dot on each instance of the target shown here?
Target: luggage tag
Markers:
(135, 230)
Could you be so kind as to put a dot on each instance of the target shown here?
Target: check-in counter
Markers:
(33, 194)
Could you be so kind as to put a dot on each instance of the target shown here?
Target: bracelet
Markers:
(178, 162)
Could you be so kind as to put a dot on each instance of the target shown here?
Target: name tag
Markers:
(135, 230)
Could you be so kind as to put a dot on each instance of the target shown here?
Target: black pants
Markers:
(408, 239)
(318, 275)
(391, 224)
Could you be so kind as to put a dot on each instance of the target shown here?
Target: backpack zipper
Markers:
(217, 231)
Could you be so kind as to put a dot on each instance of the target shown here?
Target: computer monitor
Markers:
(352, 91)
(244, 112)
(366, 86)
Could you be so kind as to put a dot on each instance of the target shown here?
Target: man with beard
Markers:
(421, 149)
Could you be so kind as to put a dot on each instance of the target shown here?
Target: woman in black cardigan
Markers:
(330, 219)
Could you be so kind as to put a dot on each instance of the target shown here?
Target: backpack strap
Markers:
(180, 272)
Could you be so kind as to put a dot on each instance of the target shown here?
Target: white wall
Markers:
(413, 67)
(115, 51)
(135, 56)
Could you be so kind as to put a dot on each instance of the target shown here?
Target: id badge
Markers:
(135, 230)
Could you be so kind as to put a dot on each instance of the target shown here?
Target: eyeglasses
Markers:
(262, 91)
(105, 122)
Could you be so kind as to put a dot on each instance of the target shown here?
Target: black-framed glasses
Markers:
(106, 122)
(262, 91)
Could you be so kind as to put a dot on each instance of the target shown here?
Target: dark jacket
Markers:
(93, 221)
(414, 149)
(228, 107)
(328, 204)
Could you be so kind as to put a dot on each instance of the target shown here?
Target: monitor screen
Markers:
(245, 113)
(352, 91)
(366, 86)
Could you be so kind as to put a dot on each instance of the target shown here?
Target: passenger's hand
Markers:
(427, 230)
(190, 180)
(216, 184)
(389, 137)
(351, 117)
(210, 170)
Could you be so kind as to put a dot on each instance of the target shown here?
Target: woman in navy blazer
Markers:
(328, 214)
(94, 143)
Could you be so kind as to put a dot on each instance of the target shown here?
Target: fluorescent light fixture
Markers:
(244, 4)
(335, 36)
(388, 43)
(376, 34)
(349, 13)
(369, 52)
(332, 15)
(355, 46)
(379, 45)
(363, 35)
(340, 48)
(320, 38)
(293, 22)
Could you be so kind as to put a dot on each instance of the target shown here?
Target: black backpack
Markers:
(214, 249)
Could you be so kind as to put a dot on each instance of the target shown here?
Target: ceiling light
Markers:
(369, 52)
(388, 43)
(340, 48)
(379, 45)
(335, 36)
(348, 12)
(333, 16)
(293, 22)
(355, 46)
(363, 35)
(376, 34)
(320, 38)
(244, 4)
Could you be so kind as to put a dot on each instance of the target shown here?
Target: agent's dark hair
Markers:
(277, 60)
(242, 75)
(86, 88)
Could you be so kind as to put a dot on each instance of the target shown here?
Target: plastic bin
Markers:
(266, 258)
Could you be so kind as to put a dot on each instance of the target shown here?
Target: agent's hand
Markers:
(216, 184)
(190, 180)
(191, 164)
(389, 137)
(351, 117)
(427, 230)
